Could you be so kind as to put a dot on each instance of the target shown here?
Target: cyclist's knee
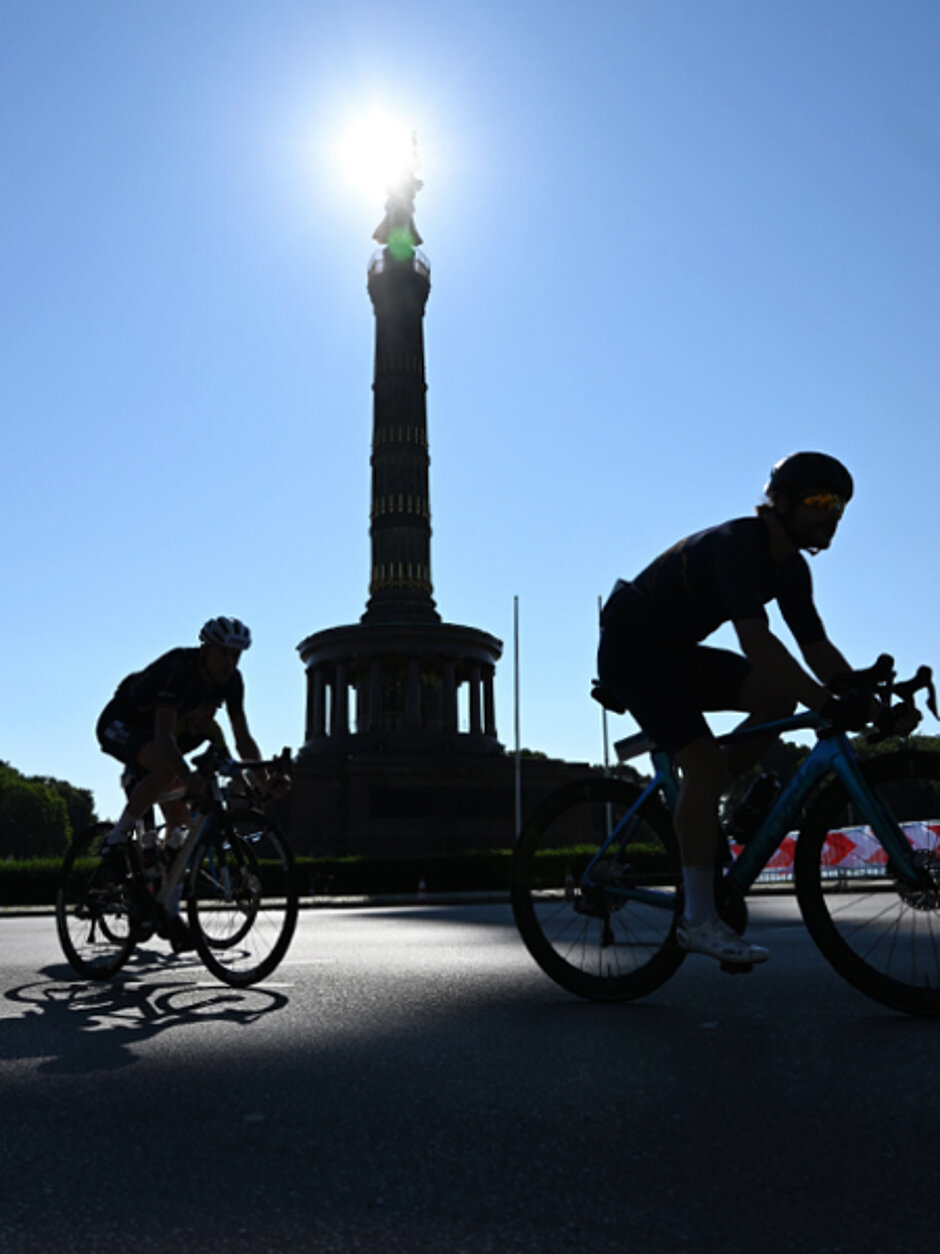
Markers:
(160, 769)
(768, 696)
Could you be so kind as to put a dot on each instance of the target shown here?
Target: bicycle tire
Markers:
(243, 900)
(94, 916)
(597, 941)
(230, 931)
(877, 932)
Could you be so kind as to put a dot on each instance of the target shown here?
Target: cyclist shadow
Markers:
(74, 1027)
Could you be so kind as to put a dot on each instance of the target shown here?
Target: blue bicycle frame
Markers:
(831, 755)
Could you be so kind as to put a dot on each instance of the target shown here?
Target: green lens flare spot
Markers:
(400, 244)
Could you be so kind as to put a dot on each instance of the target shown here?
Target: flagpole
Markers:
(515, 632)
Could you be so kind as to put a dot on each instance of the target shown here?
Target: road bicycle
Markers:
(233, 873)
(597, 884)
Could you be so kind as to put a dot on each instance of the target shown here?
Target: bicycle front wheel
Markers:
(878, 931)
(596, 890)
(93, 910)
(242, 898)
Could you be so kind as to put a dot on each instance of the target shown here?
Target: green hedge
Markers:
(33, 882)
(28, 881)
(442, 873)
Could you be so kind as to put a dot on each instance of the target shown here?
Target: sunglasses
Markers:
(827, 501)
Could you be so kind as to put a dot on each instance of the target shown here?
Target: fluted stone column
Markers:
(449, 679)
(489, 703)
(318, 712)
(476, 725)
(340, 712)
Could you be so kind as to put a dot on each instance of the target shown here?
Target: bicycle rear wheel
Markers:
(242, 898)
(880, 933)
(581, 866)
(93, 912)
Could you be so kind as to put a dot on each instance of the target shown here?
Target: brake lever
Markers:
(879, 676)
(922, 680)
(902, 719)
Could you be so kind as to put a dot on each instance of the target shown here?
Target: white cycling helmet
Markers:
(230, 633)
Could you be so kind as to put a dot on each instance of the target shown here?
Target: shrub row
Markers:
(32, 882)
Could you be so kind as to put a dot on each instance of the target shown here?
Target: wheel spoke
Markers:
(878, 930)
(93, 914)
(242, 899)
(595, 890)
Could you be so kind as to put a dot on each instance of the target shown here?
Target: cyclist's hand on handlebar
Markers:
(903, 719)
(851, 711)
(196, 787)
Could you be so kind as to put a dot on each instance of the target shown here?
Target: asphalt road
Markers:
(409, 1081)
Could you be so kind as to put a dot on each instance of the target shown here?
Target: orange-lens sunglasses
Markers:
(828, 501)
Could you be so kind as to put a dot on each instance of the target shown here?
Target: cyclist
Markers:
(652, 661)
(176, 694)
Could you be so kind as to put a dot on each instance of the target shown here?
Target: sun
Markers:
(373, 151)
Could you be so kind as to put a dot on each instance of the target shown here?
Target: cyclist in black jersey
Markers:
(652, 659)
(180, 691)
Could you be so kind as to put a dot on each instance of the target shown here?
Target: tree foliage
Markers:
(79, 802)
(38, 814)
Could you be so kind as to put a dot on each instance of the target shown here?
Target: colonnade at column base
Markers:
(410, 688)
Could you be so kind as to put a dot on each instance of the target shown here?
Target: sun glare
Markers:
(373, 151)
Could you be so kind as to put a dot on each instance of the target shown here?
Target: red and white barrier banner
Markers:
(852, 848)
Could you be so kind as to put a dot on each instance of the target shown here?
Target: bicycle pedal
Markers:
(737, 968)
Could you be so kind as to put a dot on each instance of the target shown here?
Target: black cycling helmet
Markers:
(803, 471)
(230, 633)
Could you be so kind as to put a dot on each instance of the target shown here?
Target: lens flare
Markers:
(374, 151)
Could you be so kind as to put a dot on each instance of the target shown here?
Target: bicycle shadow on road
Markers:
(77, 1028)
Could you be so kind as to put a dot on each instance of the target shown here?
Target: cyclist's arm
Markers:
(248, 751)
(768, 653)
(245, 743)
(824, 660)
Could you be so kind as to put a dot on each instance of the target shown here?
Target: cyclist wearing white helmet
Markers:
(138, 724)
(652, 662)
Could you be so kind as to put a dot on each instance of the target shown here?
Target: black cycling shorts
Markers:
(122, 740)
(666, 685)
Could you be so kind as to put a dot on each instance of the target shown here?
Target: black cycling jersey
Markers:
(175, 680)
(721, 575)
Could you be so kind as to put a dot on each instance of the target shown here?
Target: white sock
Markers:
(122, 829)
(699, 885)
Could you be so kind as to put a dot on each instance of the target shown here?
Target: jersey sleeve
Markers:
(235, 694)
(795, 599)
(738, 577)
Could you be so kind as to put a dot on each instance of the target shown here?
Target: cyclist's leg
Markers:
(177, 816)
(124, 742)
(702, 766)
(697, 679)
(764, 696)
(159, 777)
(148, 775)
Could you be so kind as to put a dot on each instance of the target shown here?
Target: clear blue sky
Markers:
(671, 241)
